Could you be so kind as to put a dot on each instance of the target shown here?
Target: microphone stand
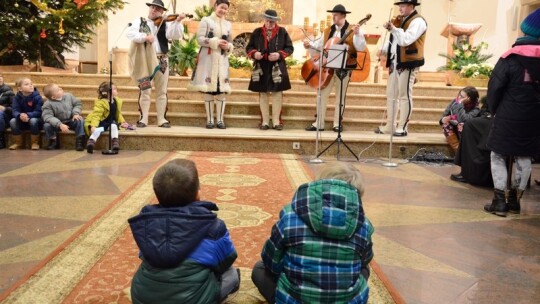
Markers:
(317, 160)
(110, 150)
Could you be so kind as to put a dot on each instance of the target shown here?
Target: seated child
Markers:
(186, 251)
(105, 116)
(26, 110)
(320, 248)
(62, 112)
(6, 96)
(458, 111)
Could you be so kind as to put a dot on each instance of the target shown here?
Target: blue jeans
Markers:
(75, 125)
(4, 121)
(34, 125)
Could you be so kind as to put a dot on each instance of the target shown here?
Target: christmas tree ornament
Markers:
(43, 35)
(16, 4)
(80, 3)
(60, 27)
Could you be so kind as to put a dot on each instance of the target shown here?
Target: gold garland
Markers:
(43, 6)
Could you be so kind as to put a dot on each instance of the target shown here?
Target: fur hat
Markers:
(531, 25)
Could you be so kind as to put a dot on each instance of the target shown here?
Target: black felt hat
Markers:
(157, 3)
(339, 9)
(413, 2)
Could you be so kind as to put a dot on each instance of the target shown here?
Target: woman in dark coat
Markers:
(269, 46)
(514, 100)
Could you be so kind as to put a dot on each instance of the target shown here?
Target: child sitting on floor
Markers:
(62, 112)
(186, 251)
(105, 116)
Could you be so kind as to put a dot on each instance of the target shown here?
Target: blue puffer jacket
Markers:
(31, 104)
(184, 251)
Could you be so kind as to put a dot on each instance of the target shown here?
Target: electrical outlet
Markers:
(296, 145)
(402, 148)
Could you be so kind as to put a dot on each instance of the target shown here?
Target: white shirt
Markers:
(417, 27)
(359, 41)
(173, 30)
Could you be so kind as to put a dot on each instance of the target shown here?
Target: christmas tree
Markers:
(41, 30)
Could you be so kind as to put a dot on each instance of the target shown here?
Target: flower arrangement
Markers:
(240, 62)
(468, 61)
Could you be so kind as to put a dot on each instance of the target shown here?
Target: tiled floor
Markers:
(432, 239)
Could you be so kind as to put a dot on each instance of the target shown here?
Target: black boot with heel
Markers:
(498, 205)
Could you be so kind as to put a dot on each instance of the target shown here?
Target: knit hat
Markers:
(531, 25)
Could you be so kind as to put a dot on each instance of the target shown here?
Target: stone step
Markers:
(93, 80)
(362, 144)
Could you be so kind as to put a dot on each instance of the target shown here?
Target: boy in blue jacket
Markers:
(26, 113)
(186, 251)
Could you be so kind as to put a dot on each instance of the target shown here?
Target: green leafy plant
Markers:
(203, 11)
(468, 60)
(183, 54)
(240, 62)
(290, 61)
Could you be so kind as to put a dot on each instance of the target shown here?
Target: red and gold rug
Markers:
(96, 265)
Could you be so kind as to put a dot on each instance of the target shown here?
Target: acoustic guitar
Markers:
(310, 70)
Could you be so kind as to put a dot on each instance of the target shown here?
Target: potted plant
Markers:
(468, 66)
(183, 55)
(240, 66)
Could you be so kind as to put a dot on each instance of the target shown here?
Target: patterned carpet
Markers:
(96, 266)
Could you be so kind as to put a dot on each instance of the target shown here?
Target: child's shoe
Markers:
(17, 142)
(90, 145)
(35, 142)
(79, 140)
(115, 144)
(53, 144)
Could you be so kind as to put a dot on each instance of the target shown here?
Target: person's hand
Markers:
(149, 38)
(273, 56)
(460, 127)
(2, 108)
(356, 29)
(257, 56)
(92, 129)
(124, 125)
(224, 44)
(307, 44)
(180, 17)
(24, 117)
(445, 119)
(64, 128)
(389, 26)
(76, 117)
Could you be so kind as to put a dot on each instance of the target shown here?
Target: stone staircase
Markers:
(365, 110)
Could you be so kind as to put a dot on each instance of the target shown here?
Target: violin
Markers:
(168, 18)
(396, 21)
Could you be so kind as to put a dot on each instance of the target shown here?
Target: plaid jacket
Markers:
(319, 246)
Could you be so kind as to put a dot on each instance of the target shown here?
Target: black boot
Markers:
(53, 144)
(79, 143)
(115, 144)
(514, 199)
(2, 140)
(498, 204)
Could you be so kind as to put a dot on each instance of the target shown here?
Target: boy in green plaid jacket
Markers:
(321, 246)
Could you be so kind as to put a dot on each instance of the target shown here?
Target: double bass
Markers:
(310, 69)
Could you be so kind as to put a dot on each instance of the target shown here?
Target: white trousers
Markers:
(277, 102)
(341, 87)
(160, 82)
(399, 99)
